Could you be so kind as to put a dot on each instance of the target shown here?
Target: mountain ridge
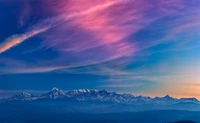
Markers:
(102, 96)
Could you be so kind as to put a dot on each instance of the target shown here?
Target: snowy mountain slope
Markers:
(102, 96)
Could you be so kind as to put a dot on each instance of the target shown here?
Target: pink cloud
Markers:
(112, 23)
(17, 39)
(94, 31)
(105, 24)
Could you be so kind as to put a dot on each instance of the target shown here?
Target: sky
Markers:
(143, 47)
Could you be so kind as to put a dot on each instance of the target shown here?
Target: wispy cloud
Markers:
(15, 40)
(18, 39)
(95, 32)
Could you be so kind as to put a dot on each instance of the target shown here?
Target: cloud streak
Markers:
(15, 40)
(18, 39)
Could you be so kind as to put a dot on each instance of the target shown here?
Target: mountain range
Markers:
(88, 106)
(85, 95)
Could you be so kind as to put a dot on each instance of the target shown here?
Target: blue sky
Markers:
(141, 47)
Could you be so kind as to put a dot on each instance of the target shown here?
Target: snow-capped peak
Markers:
(24, 96)
(194, 100)
(167, 97)
(84, 90)
(55, 89)
(54, 94)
